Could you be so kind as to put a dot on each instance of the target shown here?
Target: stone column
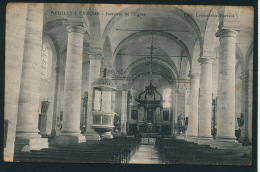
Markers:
(225, 116)
(94, 74)
(175, 114)
(192, 131)
(123, 111)
(181, 101)
(27, 137)
(14, 40)
(244, 139)
(84, 90)
(205, 102)
(54, 131)
(70, 132)
(113, 99)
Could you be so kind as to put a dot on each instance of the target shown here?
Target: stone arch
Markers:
(107, 52)
(248, 56)
(171, 67)
(179, 14)
(184, 64)
(195, 66)
(240, 57)
(52, 24)
(133, 71)
(143, 33)
(94, 29)
(209, 36)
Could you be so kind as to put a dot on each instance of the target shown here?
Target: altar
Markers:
(150, 110)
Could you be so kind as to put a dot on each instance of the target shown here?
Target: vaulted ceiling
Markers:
(178, 35)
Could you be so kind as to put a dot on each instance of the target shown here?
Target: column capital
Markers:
(95, 53)
(121, 85)
(75, 29)
(204, 60)
(182, 90)
(194, 75)
(95, 57)
(95, 50)
(227, 32)
(207, 54)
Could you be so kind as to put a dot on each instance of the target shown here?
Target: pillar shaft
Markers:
(124, 111)
(192, 131)
(182, 102)
(113, 99)
(226, 85)
(225, 116)
(244, 108)
(205, 101)
(54, 117)
(94, 74)
(29, 107)
(73, 79)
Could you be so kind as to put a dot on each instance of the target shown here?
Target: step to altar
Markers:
(149, 135)
(148, 141)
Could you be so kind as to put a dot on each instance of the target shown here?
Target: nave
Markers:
(132, 151)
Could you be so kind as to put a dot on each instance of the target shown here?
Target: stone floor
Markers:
(147, 154)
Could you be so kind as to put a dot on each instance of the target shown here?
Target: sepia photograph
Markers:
(129, 84)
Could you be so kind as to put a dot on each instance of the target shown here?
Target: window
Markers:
(167, 98)
(44, 60)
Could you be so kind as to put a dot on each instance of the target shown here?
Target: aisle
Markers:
(147, 154)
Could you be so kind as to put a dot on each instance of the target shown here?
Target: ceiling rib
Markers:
(149, 30)
(146, 55)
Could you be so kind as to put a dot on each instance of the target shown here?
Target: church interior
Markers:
(96, 83)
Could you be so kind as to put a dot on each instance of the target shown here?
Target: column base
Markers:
(203, 140)
(26, 145)
(226, 143)
(43, 133)
(191, 138)
(244, 141)
(180, 137)
(92, 136)
(108, 135)
(120, 134)
(55, 133)
(69, 139)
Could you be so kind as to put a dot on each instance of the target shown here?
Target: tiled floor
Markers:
(147, 154)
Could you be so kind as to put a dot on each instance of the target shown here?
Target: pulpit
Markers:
(103, 117)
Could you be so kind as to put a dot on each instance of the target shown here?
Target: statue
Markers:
(240, 120)
(182, 124)
(84, 115)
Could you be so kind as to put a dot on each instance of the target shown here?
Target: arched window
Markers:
(44, 61)
(167, 98)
